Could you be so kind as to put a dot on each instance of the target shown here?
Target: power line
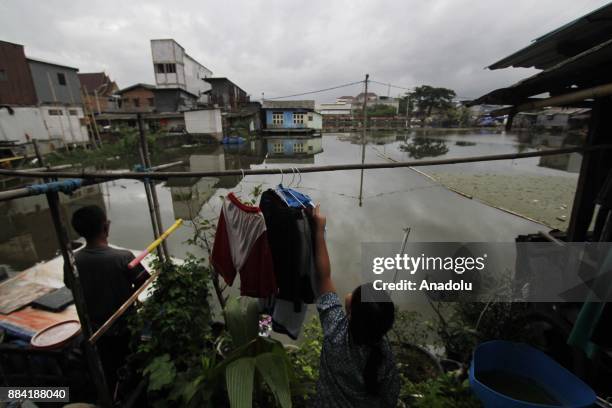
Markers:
(391, 85)
(318, 91)
(412, 89)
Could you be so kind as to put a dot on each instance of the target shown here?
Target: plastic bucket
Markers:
(514, 375)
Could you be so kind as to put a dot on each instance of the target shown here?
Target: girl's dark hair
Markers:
(368, 324)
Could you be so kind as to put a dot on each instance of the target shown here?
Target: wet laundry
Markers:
(241, 247)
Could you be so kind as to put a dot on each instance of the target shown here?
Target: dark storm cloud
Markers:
(286, 47)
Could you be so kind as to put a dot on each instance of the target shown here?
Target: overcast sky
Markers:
(285, 47)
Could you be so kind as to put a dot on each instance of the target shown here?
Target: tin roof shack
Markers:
(44, 99)
(291, 117)
(576, 63)
(61, 106)
(174, 100)
(225, 94)
(560, 119)
(98, 90)
(174, 68)
(137, 98)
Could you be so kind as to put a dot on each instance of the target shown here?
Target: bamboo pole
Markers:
(363, 138)
(122, 309)
(150, 189)
(25, 192)
(559, 100)
(91, 352)
(134, 175)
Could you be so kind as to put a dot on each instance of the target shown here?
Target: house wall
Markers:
(145, 97)
(204, 121)
(16, 85)
(48, 87)
(25, 124)
(189, 72)
(287, 119)
(227, 95)
(44, 123)
(558, 120)
(315, 121)
(68, 126)
(173, 100)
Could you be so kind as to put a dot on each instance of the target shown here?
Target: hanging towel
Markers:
(241, 246)
(291, 245)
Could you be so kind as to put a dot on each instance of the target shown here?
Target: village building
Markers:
(174, 68)
(41, 100)
(337, 108)
(98, 92)
(291, 116)
(225, 94)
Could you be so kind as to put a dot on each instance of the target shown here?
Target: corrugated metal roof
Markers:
(589, 68)
(564, 42)
(289, 104)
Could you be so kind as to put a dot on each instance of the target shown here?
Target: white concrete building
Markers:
(204, 121)
(174, 68)
(338, 108)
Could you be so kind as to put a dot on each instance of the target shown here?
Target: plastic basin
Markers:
(514, 375)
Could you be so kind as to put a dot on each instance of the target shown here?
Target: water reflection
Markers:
(27, 234)
(421, 147)
(190, 194)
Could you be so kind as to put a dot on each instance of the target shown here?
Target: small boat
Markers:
(233, 140)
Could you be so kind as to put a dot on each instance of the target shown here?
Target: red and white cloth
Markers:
(241, 246)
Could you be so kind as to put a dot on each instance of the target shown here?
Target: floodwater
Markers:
(390, 199)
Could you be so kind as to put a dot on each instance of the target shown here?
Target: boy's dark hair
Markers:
(89, 221)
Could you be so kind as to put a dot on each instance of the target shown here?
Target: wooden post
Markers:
(152, 193)
(595, 167)
(91, 351)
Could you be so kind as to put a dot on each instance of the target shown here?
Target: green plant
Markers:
(444, 391)
(177, 314)
(305, 361)
(255, 365)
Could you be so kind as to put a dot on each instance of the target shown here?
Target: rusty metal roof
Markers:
(565, 42)
(590, 68)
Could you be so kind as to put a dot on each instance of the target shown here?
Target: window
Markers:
(159, 68)
(2, 75)
(55, 112)
(73, 112)
(298, 118)
(136, 102)
(277, 148)
(151, 101)
(61, 78)
(170, 68)
(277, 118)
(310, 118)
(298, 148)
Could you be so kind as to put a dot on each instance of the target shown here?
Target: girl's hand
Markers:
(319, 219)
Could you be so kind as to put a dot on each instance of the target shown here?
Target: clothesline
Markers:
(164, 175)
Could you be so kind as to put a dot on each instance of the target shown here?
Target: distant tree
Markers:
(381, 110)
(426, 98)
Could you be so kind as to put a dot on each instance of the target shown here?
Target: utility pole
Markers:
(363, 136)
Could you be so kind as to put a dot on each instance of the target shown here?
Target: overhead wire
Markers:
(317, 91)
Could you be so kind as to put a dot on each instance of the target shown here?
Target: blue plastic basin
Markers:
(514, 375)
